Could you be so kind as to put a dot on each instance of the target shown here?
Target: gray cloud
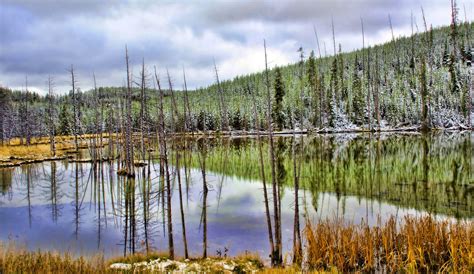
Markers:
(61, 9)
(41, 39)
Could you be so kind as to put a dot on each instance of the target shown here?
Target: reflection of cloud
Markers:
(42, 39)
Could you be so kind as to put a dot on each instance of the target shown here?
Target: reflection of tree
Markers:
(130, 224)
(6, 176)
(281, 174)
(389, 168)
(51, 190)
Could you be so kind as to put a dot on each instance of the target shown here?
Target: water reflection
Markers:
(218, 195)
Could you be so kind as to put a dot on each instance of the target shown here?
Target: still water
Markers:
(84, 208)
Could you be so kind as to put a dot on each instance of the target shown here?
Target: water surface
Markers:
(85, 208)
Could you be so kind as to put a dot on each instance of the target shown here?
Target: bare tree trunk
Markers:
(320, 85)
(224, 117)
(187, 109)
(164, 155)
(262, 172)
(376, 90)
(27, 124)
(129, 167)
(367, 67)
(142, 112)
(297, 249)
(97, 121)
(52, 132)
(74, 108)
(205, 191)
(277, 255)
(174, 116)
(471, 91)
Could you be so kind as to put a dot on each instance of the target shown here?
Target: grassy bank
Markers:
(18, 260)
(15, 153)
(415, 244)
(14, 260)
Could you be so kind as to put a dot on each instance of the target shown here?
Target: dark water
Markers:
(85, 208)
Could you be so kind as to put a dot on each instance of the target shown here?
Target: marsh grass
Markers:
(414, 244)
(40, 147)
(30, 152)
(17, 260)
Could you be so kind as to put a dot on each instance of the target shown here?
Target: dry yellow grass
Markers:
(15, 260)
(40, 147)
(31, 152)
(415, 244)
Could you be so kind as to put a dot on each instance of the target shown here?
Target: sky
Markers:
(44, 38)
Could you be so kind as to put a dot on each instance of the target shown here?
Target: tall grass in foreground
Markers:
(14, 260)
(414, 244)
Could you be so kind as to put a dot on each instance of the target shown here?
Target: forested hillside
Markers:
(421, 81)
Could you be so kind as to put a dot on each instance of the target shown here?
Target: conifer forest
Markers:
(354, 157)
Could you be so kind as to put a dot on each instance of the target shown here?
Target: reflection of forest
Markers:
(6, 175)
(431, 173)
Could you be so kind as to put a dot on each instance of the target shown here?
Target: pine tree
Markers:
(331, 104)
(358, 101)
(313, 86)
(64, 121)
(279, 87)
(424, 97)
(454, 84)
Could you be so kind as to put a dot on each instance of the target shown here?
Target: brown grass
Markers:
(415, 244)
(30, 152)
(14, 260)
(40, 147)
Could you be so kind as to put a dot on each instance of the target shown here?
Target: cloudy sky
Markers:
(41, 38)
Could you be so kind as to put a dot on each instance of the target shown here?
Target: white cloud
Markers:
(191, 34)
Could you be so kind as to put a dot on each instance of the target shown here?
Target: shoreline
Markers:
(43, 154)
(412, 244)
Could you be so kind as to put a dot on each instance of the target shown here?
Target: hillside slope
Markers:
(421, 80)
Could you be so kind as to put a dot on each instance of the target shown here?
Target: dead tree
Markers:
(52, 131)
(376, 91)
(205, 191)
(276, 257)
(395, 44)
(178, 166)
(187, 109)
(320, 85)
(223, 106)
(262, 170)
(188, 127)
(454, 27)
(26, 125)
(471, 89)
(129, 158)
(75, 129)
(297, 248)
(142, 111)
(367, 67)
(97, 124)
(164, 156)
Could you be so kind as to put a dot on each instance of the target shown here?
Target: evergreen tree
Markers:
(358, 100)
(331, 104)
(313, 86)
(65, 120)
(454, 84)
(5, 103)
(424, 96)
(279, 87)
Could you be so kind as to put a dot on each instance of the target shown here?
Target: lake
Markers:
(85, 208)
